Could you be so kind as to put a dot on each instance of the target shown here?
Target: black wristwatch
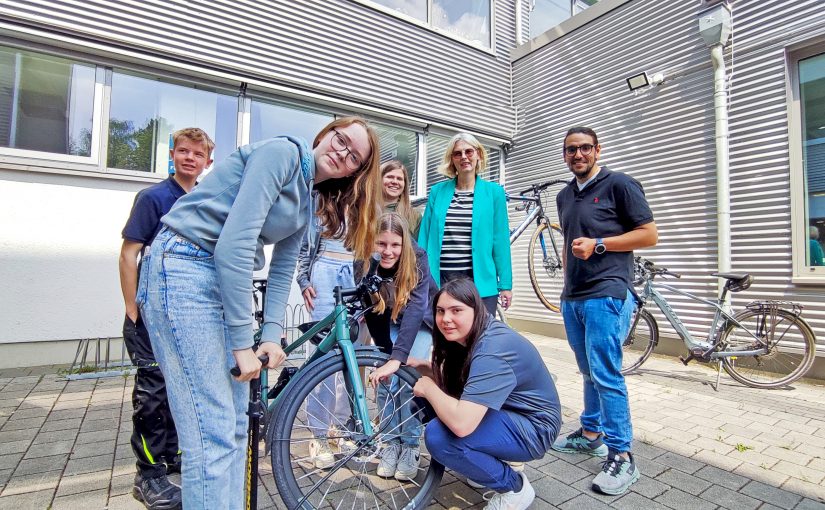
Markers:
(600, 247)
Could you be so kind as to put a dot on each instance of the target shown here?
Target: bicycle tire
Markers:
(548, 278)
(782, 365)
(295, 475)
(642, 337)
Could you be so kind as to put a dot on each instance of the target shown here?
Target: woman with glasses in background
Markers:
(195, 293)
(465, 230)
(396, 182)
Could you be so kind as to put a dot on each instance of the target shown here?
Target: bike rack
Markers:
(101, 363)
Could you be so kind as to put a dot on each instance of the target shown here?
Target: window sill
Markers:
(75, 170)
(812, 279)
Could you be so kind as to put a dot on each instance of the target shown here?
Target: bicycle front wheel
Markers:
(789, 342)
(640, 342)
(544, 264)
(322, 459)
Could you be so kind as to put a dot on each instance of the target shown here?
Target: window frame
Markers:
(428, 24)
(802, 273)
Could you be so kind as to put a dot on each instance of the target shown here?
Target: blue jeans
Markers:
(596, 329)
(180, 302)
(481, 455)
(402, 426)
(328, 404)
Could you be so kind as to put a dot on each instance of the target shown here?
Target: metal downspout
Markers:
(720, 104)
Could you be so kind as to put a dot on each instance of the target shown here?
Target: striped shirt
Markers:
(456, 248)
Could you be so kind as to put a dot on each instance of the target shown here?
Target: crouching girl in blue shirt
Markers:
(492, 393)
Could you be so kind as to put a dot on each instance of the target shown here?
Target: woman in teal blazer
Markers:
(465, 229)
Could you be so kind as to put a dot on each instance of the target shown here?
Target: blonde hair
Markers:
(447, 168)
(196, 135)
(406, 273)
(350, 206)
(404, 208)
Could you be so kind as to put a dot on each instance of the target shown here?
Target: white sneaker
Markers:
(320, 454)
(520, 500)
(408, 462)
(518, 467)
(389, 460)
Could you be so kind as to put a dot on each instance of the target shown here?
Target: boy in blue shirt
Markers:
(154, 439)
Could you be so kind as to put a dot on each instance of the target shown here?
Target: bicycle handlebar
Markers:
(537, 188)
(647, 266)
(264, 359)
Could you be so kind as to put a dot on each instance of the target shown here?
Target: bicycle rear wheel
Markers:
(351, 479)
(640, 342)
(790, 343)
(544, 264)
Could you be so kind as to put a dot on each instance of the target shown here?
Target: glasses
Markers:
(339, 143)
(585, 149)
(467, 153)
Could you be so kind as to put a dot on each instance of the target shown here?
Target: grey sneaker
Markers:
(577, 443)
(157, 493)
(617, 475)
(520, 500)
(389, 460)
(408, 462)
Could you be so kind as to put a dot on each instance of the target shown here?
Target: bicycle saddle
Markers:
(736, 282)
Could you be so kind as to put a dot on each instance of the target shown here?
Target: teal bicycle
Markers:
(297, 416)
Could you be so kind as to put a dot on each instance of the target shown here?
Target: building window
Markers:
(470, 20)
(269, 119)
(46, 103)
(807, 157)
(400, 144)
(145, 111)
(546, 14)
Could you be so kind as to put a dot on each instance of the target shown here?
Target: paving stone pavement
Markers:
(66, 444)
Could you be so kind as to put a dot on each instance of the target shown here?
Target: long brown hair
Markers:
(451, 360)
(350, 206)
(406, 269)
(404, 208)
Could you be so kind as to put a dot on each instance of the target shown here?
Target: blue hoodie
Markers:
(259, 195)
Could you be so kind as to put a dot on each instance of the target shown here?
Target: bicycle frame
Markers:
(536, 214)
(339, 335)
(652, 293)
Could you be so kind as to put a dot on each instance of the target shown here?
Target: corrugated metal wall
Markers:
(335, 47)
(664, 137)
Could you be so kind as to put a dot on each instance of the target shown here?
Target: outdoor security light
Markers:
(638, 81)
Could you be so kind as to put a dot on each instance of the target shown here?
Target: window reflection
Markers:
(400, 144)
(145, 111)
(812, 102)
(269, 119)
(46, 103)
(468, 19)
(413, 8)
(436, 147)
(547, 14)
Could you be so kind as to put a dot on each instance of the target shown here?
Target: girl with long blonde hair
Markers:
(399, 325)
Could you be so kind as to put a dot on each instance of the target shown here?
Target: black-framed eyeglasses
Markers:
(339, 143)
(585, 149)
(467, 153)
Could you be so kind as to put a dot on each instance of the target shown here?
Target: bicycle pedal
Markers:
(687, 360)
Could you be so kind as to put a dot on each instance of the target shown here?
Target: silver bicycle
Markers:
(765, 345)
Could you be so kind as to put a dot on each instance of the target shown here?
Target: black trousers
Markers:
(154, 438)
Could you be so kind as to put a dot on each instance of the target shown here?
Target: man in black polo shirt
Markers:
(154, 439)
(604, 217)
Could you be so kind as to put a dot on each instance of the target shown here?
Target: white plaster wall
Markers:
(59, 246)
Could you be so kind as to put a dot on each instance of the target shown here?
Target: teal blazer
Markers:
(490, 237)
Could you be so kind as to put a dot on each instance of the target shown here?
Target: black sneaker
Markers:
(157, 493)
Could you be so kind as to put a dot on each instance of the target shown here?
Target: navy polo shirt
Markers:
(150, 205)
(610, 205)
